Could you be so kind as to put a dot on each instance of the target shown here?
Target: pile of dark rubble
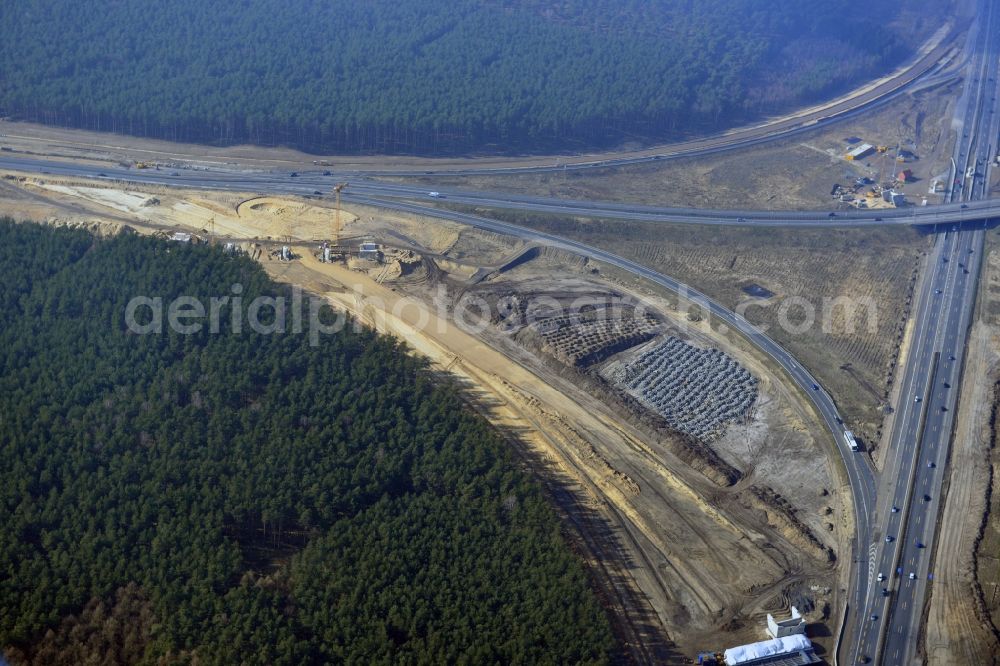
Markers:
(698, 391)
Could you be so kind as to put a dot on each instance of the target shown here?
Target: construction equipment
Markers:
(883, 172)
(142, 165)
(857, 153)
(337, 189)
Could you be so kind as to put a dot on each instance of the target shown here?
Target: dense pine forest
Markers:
(245, 498)
(437, 76)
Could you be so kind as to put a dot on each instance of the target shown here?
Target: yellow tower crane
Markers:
(337, 189)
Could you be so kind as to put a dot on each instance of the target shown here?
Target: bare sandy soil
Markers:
(681, 531)
(964, 615)
(780, 437)
(686, 558)
(234, 216)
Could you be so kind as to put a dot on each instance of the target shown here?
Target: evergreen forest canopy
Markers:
(255, 499)
(436, 76)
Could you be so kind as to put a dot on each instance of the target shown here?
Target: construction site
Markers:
(883, 177)
(673, 450)
(710, 487)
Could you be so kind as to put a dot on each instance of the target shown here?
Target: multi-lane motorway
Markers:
(308, 184)
(899, 571)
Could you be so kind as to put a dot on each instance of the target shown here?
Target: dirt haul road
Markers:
(959, 628)
(694, 563)
(957, 631)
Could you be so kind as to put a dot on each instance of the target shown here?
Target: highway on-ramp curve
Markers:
(859, 471)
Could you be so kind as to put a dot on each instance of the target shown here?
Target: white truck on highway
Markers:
(851, 442)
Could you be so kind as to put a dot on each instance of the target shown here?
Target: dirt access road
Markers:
(675, 537)
(962, 613)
